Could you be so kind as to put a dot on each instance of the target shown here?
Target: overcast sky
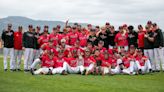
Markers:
(96, 12)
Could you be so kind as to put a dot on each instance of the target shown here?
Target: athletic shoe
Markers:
(64, 72)
(140, 71)
(12, 70)
(157, 70)
(83, 73)
(150, 70)
(5, 70)
(19, 70)
(32, 71)
(26, 70)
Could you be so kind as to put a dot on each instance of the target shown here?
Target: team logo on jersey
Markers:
(9, 33)
(30, 35)
(131, 36)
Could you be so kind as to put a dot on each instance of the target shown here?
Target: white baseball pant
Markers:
(28, 57)
(35, 63)
(117, 70)
(57, 70)
(150, 54)
(144, 68)
(89, 68)
(73, 70)
(43, 70)
(36, 53)
(17, 58)
(159, 58)
(9, 51)
(130, 69)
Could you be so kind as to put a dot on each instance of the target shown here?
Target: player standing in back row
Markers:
(28, 44)
(8, 39)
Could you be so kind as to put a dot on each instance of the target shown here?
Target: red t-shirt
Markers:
(59, 62)
(126, 62)
(64, 36)
(106, 62)
(47, 47)
(47, 62)
(114, 62)
(141, 39)
(72, 62)
(18, 40)
(78, 50)
(73, 37)
(83, 40)
(43, 39)
(141, 60)
(88, 61)
(121, 40)
(55, 38)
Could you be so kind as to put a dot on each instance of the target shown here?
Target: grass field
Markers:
(25, 82)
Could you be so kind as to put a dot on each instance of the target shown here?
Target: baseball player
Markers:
(8, 40)
(148, 46)
(89, 62)
(73, 36)
(83, 39)
(143, 63)
(28, 44)
(48, 63)
(18, 47)
(74, 65)
(37, 45)
(45, 47)
(106, 63)
(158, 47)
(60, 61)
(121, 39)
(128, 64)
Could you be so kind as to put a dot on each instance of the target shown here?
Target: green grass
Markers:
(25, 82)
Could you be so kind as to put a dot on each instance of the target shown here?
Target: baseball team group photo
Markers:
(70, 55)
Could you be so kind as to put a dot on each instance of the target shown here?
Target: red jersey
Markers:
(78, 50)
(98, 57)
(83, 40)
(55, 38)
(72, 62)
(126, 62)
(66, 37)
(47, 47)
(110, 51)
(43, 39)
(88, 61)
(18, 40)
(141, 60)
(47, 62)
(141, 39)
(106, 62)
(114, 62)
(121, 40)
(102, 49)
(73, 37)
(59, 62)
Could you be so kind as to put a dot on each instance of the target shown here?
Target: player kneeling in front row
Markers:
(89, 62)
(111, 63)
(74, 65)
(47, 64)
(143, 63)
(60, 60)
(128, 64)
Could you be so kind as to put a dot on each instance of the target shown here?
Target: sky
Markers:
(96, 12)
